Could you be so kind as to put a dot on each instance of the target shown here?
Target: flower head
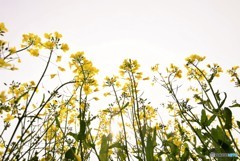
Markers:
(195, 58)
(64, 47)
(34, 52)
(3, 29)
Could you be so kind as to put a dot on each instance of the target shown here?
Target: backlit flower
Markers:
(64, 47)
(3, 28)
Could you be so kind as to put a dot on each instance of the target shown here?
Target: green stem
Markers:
(124, 130)
(25, 111)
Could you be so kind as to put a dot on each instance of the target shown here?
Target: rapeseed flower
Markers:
(194, 57)
(8, 118)
(34, 52)
(3, 28)
(3, 97)
(64, 47)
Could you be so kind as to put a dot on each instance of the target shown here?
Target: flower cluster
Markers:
(53, 40)
(175, 71)
(84, 72)
(234, 75)
(6, 52)
(129, 65)
(194, 58)
(215, 69)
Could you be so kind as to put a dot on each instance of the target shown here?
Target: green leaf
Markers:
(235, 105)
(173, 147)
(82, 130)
(57, 122)
(238, 123)
(154, 137)
(185, 155)
(144, 129)
(149, 148)
(203, 118)
(225, 146)
(180, 129)
(18, 99)
(227, 113)
(217, 95)
(225, 97)
(126, 105)
(70, 153)
(103, 154)
(116, 145)
(212, 118)
(223, 143)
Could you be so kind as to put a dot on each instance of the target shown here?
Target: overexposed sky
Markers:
(153, 31)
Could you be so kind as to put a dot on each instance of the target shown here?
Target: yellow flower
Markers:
(129, 65)
(96, 90)
(233, 71)
(96, 98)
(13, 68)
(52, 76)
(196, 74)
(12, 50)
(139, 75)
(87, 89)
(77, 55)
(64, 47)
(48, 36)
(194, 57)
(155, 68)
(59, 58)
(174, 69)
(3, 28)
(8, 118)
(31, 39)
(49, 44)
(177, 142)
(32, 83)
(3, 63)
(3, 97)
(34, 52)
(106, 94)
(57, 35)
(110, 81)
(178, 74)
(218, 70)
(118, 84)
(77, 157)
(61, 69)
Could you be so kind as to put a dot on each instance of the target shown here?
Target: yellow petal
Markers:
(59, 58)
(52, 75)
(61, 69)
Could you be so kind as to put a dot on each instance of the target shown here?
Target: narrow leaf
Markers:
(203, 118)
(238, 123)
(212, 118)
(228, 118)
(103, 154)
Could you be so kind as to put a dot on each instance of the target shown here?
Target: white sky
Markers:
(153, 31)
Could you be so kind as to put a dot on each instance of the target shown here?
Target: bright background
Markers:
(153, 31)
